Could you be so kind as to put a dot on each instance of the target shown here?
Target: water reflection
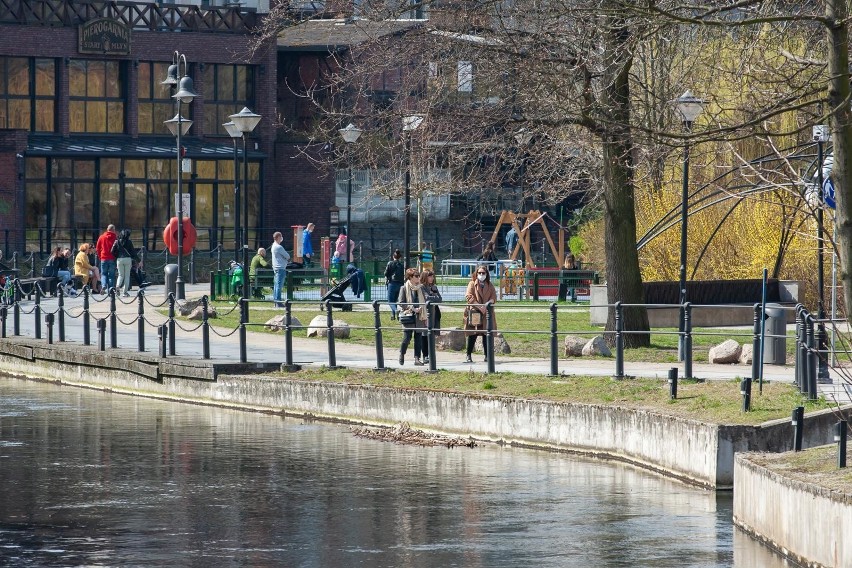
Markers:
(100, 479)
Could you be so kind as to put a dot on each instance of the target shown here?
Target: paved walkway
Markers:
(265, 347)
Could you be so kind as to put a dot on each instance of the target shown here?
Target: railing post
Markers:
(16, 308)
(212, 285)
(113, 320)
(162, 335)
(799, 328)
(430, 338)
(687, 340)
(48, 319)
(171, 334)
(101, 334)
(37, 310)
(745, 391)
(87, 330)
(289, 282)
(803, 353)
(205, 329)
(140, 322)
(244, 319)
(380, 351)
(329, 325)
(840, 436)
(812, 363)
(619, 342)
(489, 334)
(289, 365)
(535, 286)
(60, 304)
(798, 422)
(554, 342)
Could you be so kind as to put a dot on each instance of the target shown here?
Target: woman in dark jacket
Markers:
(124, 261)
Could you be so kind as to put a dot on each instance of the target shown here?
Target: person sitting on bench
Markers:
(85, 270)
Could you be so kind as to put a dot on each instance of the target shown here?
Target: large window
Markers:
(27, 93)
(96, 92)
(227, 89)
(155, 102)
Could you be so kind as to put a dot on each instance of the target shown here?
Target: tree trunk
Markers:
(841, 135)
(623, 278)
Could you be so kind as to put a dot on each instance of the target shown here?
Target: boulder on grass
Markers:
(450, 340)
(318, 328)
(198, 313)
(596, 347)
(574, 345)
(186, 307)
(726, 352)
(746, 354)
(277, 323)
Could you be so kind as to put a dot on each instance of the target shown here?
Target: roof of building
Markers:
(335, 35)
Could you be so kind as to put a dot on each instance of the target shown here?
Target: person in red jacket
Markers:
(107, 258)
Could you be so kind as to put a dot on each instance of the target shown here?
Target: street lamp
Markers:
(689, 107)
(179, 126)
(409, 124)
(235, 135)
(245, 122)
(821, 136)
(350, 135)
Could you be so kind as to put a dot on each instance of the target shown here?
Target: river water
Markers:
(99, 479)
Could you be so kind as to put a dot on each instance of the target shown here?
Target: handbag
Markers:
(407, 317)
(474, 318)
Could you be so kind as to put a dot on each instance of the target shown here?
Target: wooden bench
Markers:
(28, 285)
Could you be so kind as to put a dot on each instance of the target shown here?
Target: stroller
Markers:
(335, 294)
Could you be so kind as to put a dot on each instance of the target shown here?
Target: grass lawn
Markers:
(525, 328)
(817, 466)
(711, 401)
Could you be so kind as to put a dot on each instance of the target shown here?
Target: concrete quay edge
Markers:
(703, 455)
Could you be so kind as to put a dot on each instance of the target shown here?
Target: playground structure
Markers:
(523, 223)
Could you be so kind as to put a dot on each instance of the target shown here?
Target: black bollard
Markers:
(140, 323)
(87, 330)
(380, 350)
(840, 433)
(745, 391)
(798, 422)
(755, 346)
(172, 347)
(113, 320)
(687, 341)
(3, 315)
(289, 365)
(37, 310)
(16, 309)
(48, 319)
(619, 342)
(61, 312)
(554, 342)
(430, 338)
(329, 324)
(162, 335)
(489, 334)
(205, 329)
(244, 318)
(673, 383)
(102, 334)
(811, 358)
(212, 285)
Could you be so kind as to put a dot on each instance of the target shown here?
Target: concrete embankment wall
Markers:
(690, 450)
(809, 524)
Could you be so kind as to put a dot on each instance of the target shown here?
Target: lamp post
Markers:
(821, 136)
(409, 124)
(350, 135)
(245, 122)
(235, 135)
(689, 107)
(179, 126)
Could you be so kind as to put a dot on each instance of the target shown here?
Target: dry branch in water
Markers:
(402, 433)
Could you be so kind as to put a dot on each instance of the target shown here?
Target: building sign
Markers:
(104, 36)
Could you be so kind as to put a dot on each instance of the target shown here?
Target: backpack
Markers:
(115, 248)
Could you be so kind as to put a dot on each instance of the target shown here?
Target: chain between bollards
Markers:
(380, 351)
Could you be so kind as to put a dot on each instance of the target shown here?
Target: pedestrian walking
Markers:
(394, 279)
(479, 292)
(280, 258)
(412, 315)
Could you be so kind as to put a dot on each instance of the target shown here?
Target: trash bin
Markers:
(775, 348)
(170, 279)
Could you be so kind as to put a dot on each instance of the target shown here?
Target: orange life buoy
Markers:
(170, 235)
